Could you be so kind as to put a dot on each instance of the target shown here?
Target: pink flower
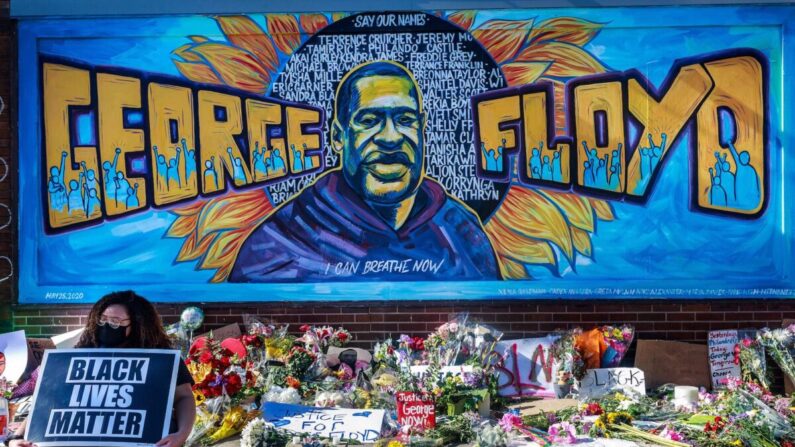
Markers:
(673, 435)
(509, 421)
(563, 433)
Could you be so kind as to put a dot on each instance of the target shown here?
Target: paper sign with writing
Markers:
(416, 410)
(13, 355)
(102, 397)
(335, 423)
(598, 382)
(722, 361)
(526, 367)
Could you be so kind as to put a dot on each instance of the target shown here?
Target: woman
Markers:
(126, 320)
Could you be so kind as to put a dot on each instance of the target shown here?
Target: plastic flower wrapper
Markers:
(283, 395)
(205, 423)
(331, 399)
(571, 367)
(479, 341)
(780, 344)
(444, 344)
(618, 340)
(232, 423)
(257, 433)
(751, 357)
(491, 436)
(179, 337)
(386, 380)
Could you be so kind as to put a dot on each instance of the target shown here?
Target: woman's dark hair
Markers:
(146, 329)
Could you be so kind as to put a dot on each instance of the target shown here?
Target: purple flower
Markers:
(782, 406)
(471, 380)
(563, 433)
(509, 421)
(404, 339)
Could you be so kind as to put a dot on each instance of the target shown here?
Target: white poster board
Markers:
(598, 382)
(526, 367)
(722, 363)
(13, 355)
(336, 423)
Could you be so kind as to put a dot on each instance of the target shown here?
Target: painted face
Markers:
(382, 141)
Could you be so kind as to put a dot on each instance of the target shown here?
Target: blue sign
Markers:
(100, 397)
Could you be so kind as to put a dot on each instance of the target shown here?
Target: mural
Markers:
(406, 155)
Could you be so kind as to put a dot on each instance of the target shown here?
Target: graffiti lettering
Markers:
(723, 95)
(139, 143)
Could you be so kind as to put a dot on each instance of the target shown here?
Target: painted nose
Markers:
(389, 137)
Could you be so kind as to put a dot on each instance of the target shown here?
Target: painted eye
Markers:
(407, 120)
(368, 121)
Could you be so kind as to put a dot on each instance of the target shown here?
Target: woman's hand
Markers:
(173, 440)
(21, 443)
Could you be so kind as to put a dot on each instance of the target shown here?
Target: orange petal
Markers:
(604, 211)
(312, 23)
(582, 241)
(511, 269)
(198, 72)
(245, 33)
(182, 226)
(190, 250)
(234, 210)
(565, 29)
(285, 32)
(567, 60)
(185, 53)
(526, 211)
(337, 16)
(523, 73)
(503, 38)
(575, 208)
(464, 19)
(198, 39)
(238, 68)
(191, 209)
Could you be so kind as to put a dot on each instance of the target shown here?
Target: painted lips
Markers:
(388, 166)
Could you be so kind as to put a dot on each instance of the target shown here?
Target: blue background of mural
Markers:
(660, 249)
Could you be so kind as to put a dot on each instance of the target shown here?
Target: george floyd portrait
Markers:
(378, 216)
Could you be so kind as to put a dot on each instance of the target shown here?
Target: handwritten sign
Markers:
(526, 367)
(416, 410)
(335, 423)
(101, 397)
(722, 361)
(598, 382)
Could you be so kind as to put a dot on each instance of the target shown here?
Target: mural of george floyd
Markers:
(539, 169)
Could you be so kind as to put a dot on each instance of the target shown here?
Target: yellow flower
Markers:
(738, 443)
(395, 444)
(620, 397)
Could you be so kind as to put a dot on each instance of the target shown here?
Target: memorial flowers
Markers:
(780, 345)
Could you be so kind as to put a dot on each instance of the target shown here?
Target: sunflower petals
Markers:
(512, 269)
(285, 32)
(576, 209)
(337, 16)
(503, 38)
(508, 243)
(567, 60)
(312, 23)
(523, 73)
(604, 211)
(246, 34)
(582, 241)
(238, 68)
(464, 19)
(197, 72)
(565, 29)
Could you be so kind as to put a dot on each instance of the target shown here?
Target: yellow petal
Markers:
(566, 60)
(238, 68)
(198, 72)
(503, 38)
(522, 73)
(246, 34)
(464, 19)
(565, 29)
(604, 211)
(510, 244)
(511, 269)
(582, 241)
(285, 32)
(575, 208)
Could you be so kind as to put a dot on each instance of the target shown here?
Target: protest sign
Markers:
(676, 362)
(416, 410)
(13, 355)
(101, 397)
(67, 340)
(598, 382)
(36, 348)
(526, 367)
(336, 423)
(723, 362)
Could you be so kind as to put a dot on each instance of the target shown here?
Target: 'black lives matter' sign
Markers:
(100, 397)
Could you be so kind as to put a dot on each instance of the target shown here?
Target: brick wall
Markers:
(657, 319)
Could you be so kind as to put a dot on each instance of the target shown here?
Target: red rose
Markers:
(305, 328)
(206, 357)
(233, 384)
(419, 343)
(342, 336)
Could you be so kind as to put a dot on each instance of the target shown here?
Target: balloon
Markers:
(191, 318)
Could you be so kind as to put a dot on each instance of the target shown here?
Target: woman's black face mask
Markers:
(109, 337)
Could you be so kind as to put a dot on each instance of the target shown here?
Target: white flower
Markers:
(281, 395)
(254, 433)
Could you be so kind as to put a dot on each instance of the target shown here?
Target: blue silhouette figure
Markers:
(172, 172)
(122, 188)
(655, 152)
(498, 158)
(89, 176)
(588, 177)
(307, 159)
(259, 161)
(190, 160)
(546, 169)
(488, 155)
(600, 177)
(55, 185)
(613, 183)
(278, 162)
(535, 160)
(298, 162)
(746, 186)
(162, 167)
(109, 169)
(237, 168)
(209, 172)
(75, 195)
(557, 173)
(717, 195)
(593, 159)
(645, 162)
(723, 168)
(132, 197)
(92, 202)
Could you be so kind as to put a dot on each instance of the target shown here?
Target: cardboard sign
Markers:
(672, 362)
(722, 362)
(13, 355)
(36, 348)
(453, 370)
(598, 382)
(103, 397)
(416, 410)
(222, 333)
(526, 367)
(336, 423)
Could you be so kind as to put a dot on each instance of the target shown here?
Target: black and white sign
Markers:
(101, 397)
(598, 382)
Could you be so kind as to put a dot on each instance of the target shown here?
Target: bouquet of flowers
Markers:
(444, 343)
(6, 388)
(618, 339)
(750, 355)
(479, 341)
(217, 371)
(571, 367)
(258, 433)
(319, 338)
(780, 344)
